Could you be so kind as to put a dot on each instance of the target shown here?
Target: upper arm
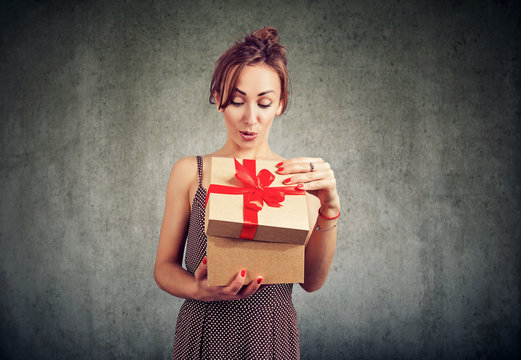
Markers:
(177, 212)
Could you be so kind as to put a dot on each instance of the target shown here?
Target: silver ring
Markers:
(312, 166)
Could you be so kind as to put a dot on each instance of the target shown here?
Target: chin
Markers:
(247, 145)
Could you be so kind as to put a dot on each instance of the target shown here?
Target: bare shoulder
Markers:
(185, 165)
(184, 173)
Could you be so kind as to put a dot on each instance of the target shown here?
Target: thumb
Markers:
(200, 272)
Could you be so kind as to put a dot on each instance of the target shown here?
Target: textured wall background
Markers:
(415, 104)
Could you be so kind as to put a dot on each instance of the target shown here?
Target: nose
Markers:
(250, 116)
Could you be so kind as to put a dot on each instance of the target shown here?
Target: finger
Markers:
(202, 270)
(236, 284)
(251, 288)
(300, 164)
(302, 159)
(303, 165)
(317, 185)
(308, 177)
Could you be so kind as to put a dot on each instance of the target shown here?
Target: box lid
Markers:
(225, 212)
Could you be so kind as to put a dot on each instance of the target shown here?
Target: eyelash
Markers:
(260, 105)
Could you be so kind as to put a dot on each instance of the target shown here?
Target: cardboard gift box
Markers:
(254, 222)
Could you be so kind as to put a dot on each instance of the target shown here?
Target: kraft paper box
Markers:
(276, 248)
(278, 263)
(225, 212)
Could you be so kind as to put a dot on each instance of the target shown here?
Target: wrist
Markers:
(329, 210)
(192, 290)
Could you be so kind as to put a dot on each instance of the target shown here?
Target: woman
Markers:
(242, 321)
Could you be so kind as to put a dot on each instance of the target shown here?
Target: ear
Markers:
(279, 109)
(217, 101)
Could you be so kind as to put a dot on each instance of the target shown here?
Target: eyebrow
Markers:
(259, 94)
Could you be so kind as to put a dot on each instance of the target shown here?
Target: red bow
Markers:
(256, 192)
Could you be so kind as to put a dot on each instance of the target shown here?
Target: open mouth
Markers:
(248, 135)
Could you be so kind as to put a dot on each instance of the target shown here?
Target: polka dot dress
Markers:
(263, 326)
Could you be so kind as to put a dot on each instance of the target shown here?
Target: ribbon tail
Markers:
(251, 221)
(254, 200)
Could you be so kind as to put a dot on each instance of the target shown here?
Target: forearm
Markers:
(172, 278)
(320, 251)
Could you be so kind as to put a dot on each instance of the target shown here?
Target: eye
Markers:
(265, 104)
(236, 102)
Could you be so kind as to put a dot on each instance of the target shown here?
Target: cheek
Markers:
(268, 116)
(231, 116)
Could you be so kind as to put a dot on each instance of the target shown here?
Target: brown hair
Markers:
(261, 47)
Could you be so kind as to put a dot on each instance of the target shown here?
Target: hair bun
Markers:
(267, 33)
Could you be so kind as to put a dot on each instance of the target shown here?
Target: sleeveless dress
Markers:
(263, 326)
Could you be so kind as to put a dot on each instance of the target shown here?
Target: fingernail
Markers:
(280, 169)
(287, 181)
(299, 186)
(259, 279)
(243, 273)
(279, 164)
(204, 260)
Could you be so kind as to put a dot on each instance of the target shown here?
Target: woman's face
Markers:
(254, 103)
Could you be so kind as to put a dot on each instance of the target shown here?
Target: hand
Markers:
(235, 291)
(319, 182)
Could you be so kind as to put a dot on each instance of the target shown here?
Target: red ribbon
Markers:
(256, 192)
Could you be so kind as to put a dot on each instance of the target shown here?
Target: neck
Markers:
(231, 149)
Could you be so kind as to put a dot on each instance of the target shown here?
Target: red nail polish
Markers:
(204, 260)
(299, 186)
(287, 181)
(259, 279)
(280, 169)
(279, 164)
(243, 273)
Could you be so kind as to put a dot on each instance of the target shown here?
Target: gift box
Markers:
(254, 222)
(277, 262)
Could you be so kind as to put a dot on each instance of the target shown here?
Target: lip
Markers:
(248, 136)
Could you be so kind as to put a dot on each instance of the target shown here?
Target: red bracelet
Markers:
(329, 218)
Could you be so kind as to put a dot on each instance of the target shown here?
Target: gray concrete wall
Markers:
(415, 104)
